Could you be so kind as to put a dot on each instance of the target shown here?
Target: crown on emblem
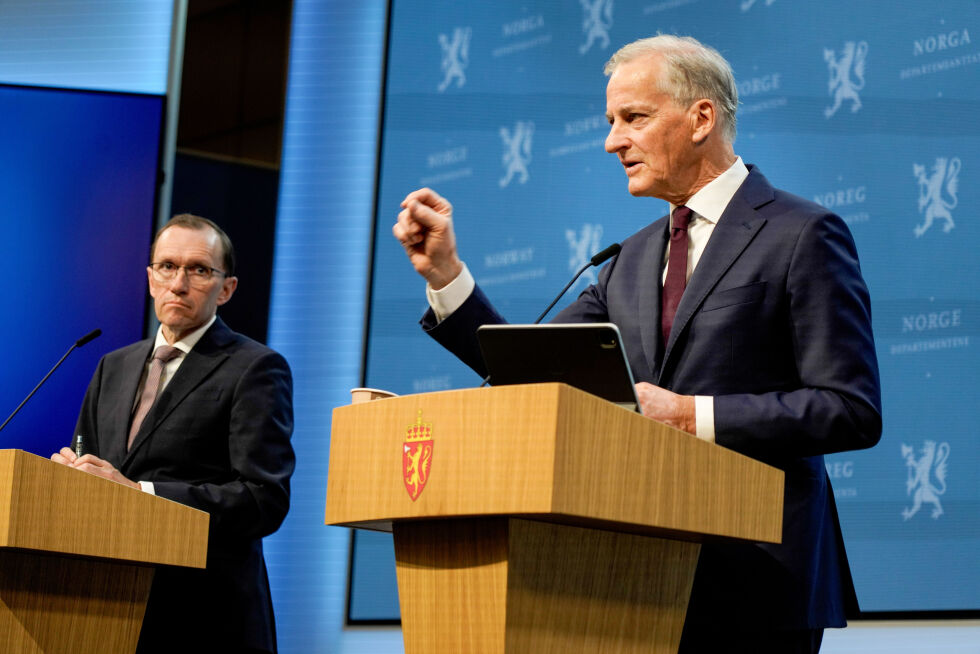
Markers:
(420, 431)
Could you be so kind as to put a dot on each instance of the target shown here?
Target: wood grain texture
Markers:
(577, 591)
(77, 555)
(594, 570)
(51, 604)
(546, 450)
(619, 466)
(509, 586)
(487, 459)
(452, 585)
(53, 508)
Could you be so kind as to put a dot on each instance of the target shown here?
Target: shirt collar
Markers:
(187, 343)
(712, 199)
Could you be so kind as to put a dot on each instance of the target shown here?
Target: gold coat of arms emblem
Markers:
(417, 456)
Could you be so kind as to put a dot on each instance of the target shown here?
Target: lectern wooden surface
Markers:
(539, 518)
(499, 585)
(546, 450)
(77, 554)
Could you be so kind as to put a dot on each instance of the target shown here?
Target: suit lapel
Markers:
(650, 298)
(736, 228)
(125, 386)
(209, 353)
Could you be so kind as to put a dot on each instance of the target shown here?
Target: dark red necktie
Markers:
(676, 278)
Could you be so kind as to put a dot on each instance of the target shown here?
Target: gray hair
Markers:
(693, 71)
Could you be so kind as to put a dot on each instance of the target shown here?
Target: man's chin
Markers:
(639, 190)
(175, 323)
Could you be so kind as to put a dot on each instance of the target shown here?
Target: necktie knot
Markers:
(681, 218)
(165, 353)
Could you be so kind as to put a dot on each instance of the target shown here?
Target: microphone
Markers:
(91, 336)
(88, 338)
(597, 260)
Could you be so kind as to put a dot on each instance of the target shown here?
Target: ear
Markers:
(703, 117)
(228, 287)
(149, 281)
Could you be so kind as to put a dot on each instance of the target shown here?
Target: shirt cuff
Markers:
(451, 296)
(147, 487)
(704, 416)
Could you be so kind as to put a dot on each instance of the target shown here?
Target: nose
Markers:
(615, 140)
(181, 281)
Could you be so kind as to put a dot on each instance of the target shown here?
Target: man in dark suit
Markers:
(769, 351)
(206, 424)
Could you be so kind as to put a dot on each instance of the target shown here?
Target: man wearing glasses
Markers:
(200, 415)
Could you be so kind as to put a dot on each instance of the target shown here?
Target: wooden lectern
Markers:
(77, 554)
(539, 518)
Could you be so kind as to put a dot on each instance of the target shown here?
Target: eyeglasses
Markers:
(197, 274)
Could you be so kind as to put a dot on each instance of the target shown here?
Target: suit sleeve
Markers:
(457, 332)
(252, 496)
(834, 403)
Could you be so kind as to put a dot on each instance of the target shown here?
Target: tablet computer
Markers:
(588, 356)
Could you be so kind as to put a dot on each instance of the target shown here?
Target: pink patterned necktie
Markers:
(676, 278)
(161, 356)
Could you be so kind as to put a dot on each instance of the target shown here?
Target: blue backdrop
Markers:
(78, 178)
(867, 110)
(79, 171)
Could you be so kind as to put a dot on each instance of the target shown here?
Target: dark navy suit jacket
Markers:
(775, 324)
(217, 439)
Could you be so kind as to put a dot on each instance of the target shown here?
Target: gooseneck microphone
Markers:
(79, 343)
(597, 260)
(84, 340)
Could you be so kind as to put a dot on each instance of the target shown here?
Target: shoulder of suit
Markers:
(237, 344)
(794, 206)
(655, 228)
(128, 350)
(772, 202)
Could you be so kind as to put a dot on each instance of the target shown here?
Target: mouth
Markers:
(631, 166)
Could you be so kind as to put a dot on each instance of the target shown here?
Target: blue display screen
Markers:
(500, 108)
(78, 181)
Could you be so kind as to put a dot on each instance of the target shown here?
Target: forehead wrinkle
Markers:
(184, 257)
(641, 75)
(188, 254)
